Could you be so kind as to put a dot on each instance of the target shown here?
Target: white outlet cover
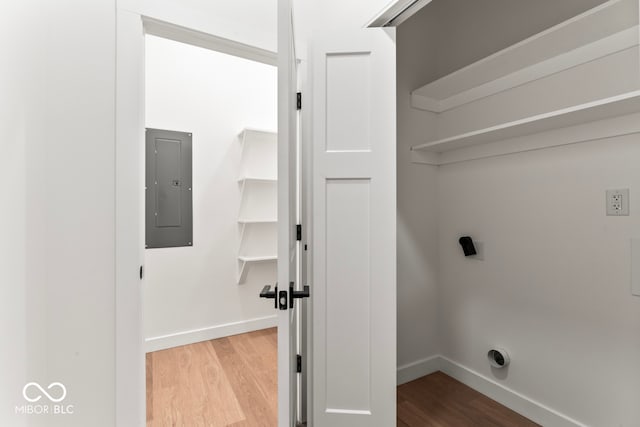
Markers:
(618, 202)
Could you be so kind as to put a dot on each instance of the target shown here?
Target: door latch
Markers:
(282, 300)
(280, 297)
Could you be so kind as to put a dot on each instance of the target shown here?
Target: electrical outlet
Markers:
(618, 202)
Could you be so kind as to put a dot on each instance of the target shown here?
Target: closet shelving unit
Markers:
(601, 42)
(257, 218)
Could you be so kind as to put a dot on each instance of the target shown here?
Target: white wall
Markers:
(57, 265)
(57, 250)
(214, 96)
(417, 255)
(554, 288)
(469, 31)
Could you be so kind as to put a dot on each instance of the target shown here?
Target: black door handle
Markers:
(282, 296)
(304, 293)
(268, 293)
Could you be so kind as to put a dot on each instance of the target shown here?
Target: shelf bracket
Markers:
(243, 267)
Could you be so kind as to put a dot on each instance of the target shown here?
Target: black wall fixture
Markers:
(467, 246)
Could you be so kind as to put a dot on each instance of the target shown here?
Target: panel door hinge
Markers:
(299, 232)
(298, 363)
(299, 101)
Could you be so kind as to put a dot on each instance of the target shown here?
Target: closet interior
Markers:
(514, 118)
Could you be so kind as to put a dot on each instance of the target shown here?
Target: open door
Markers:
(288, 290)
(353, 216)
(354, 228)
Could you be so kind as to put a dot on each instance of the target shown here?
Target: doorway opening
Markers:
(211, 342)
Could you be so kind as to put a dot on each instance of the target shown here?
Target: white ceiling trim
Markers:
(396, 12)
(181, 34)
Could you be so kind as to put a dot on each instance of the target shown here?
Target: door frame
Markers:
(131, 28)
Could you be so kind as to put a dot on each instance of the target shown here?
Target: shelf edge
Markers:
(615, 43)
(599, 130)
(539, 118)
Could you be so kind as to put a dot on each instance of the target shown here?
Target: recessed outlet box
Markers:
(618, 202)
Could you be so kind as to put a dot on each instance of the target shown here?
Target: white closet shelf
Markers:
(258, 199)
(246, 261)
(248, 132)
(257, 179)
(619, 105)
(257, 220)
(260, 258)
(601, 31)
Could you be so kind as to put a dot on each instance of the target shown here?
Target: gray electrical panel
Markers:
(169, 195)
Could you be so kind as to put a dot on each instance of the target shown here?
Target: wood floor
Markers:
(225, 382)
(233, 382)
(438, 400)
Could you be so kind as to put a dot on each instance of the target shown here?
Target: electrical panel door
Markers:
(169, 193)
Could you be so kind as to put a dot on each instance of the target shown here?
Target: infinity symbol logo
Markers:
(44, 392)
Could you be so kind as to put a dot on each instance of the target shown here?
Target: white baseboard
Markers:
(420, 368)
(209, 333)
(523, 405)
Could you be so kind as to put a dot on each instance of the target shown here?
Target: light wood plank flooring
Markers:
(225, 382)
(233, 382)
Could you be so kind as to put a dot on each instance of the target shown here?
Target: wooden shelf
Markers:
(619, 105)
(597, 33)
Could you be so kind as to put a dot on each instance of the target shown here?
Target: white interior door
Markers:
(287, 218)
(354, 223)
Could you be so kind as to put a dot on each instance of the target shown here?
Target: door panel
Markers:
(348, 284)
(348, 101)
(354, 220)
